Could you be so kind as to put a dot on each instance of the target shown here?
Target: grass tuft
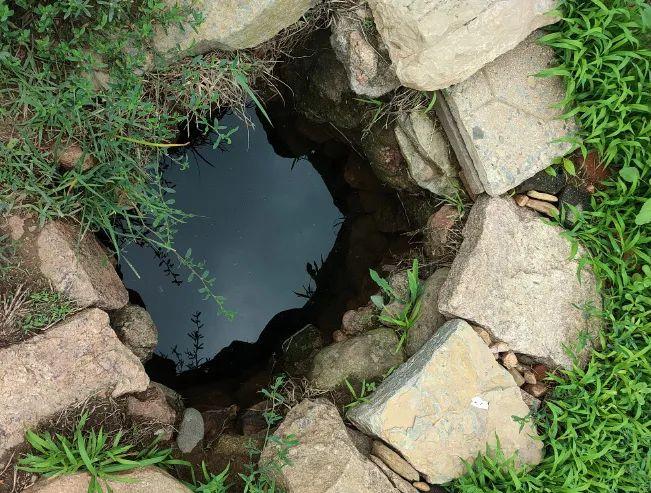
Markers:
(596, 423)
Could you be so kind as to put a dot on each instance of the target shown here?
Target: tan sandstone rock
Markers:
(325, 459)
(147, 480)
(79, 268)
(61, 367)
(446, 404)
(513, 277)
(436, 43)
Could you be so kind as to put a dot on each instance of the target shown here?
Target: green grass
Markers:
(596, 424)
(49, 51)
(45, 308)
(260, 476)
(110, 458)
(395, 310)
(104, 458)
(361, 397)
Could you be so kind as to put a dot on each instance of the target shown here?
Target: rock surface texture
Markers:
(436, 43)
(136, 329)
(446, 404)
(366, 356)
(325, 459)
(79, 268)
(512, 276)
(65, 365)
(427, 152)
(505, 118)
(147, 480)
(362, 53)
(230, 25)
(76, 267)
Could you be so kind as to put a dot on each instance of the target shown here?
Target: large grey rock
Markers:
(229, 25)
(427, 152)
(436, 43)
(67, 364)
(136, 329)
(191, 430)
(506, 120)
(367, 356)
(512, 276)
(446, 404)
(325, 459)
(146, 480)
(430, 318)
(364, 56)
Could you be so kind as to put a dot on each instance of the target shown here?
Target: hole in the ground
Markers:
(289, 220)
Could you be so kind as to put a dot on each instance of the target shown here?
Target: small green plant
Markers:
(260, 476)
(394, 310)
(93, 452)
(45, 308)
(361, 397)
(211, 483)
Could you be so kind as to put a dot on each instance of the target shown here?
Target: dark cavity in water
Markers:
(263, 224)
(283, 210)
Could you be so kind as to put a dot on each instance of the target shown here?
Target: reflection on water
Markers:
(261, 221)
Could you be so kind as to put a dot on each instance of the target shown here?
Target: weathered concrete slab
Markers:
(446, 404)
(436, 43)
(506, 119)
(512, 276)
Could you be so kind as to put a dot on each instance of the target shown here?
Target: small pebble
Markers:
(500, 347)
(420, 486)
(543, 207)
(394, 462)
(530, 377)
(517, 376)
(521, 200)
(547, 197)
(537, 390)
(338, 336)
(483, 333)
(510, 360)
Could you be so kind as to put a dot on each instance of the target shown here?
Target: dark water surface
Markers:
(261, 221)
